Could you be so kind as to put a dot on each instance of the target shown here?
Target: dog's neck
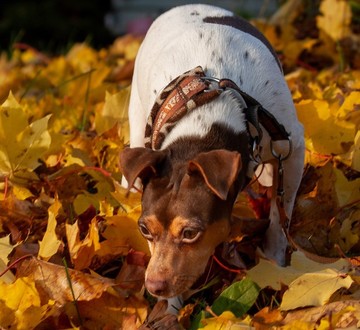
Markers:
(184, 146)
(225, 110)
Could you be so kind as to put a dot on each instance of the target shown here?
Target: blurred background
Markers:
(54, 25)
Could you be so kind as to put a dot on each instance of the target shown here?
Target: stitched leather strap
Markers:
(178, 98)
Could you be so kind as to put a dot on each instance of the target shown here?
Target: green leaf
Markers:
(237, 298)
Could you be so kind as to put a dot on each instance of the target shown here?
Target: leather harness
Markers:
(193, 89)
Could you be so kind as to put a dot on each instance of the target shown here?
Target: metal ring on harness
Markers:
(280, 156)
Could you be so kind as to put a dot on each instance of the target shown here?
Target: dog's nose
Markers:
(156, 287)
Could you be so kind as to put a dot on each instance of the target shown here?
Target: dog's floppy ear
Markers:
(219, 169)
(140, 163)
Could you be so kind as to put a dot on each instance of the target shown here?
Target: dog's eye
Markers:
(145, 232)
(190, 235)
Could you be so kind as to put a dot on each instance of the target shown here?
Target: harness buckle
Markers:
(211, 80)
(256, 150)
(281, 157)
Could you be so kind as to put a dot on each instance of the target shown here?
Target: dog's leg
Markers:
(276, 243)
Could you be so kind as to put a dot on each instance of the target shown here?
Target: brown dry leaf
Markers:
(52, 282)
(338, 314)
(96, 298)
(110, 311)
(159, 319)
(266, 318)
(132, 274)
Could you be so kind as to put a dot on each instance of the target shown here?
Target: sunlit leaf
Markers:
(113, 112)
(82, 251)
(335, 19)
(21, 144)
(314, 289)
(300, 265)
(50, 243)
(5, 250)
(20, 305)
(328, 136)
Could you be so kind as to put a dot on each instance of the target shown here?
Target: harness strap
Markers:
(256, 114)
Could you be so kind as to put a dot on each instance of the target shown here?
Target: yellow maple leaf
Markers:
(327, 134)
(225, 321)
(350, 107)
(5, 250)
(114, 111)
(347, 191)
(20, 305)
(335, 19)
(50, 243)
(82, 251)
(21, 144)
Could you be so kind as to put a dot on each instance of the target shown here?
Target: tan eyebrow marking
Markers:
(179, 223)
(153, 224)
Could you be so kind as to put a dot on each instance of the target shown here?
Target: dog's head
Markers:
(186, 211)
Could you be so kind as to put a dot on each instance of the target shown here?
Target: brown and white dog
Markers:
(192, 144)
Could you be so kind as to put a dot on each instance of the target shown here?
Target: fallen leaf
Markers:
(335, 19)
(52, 282)
(300, 265)
(225, 321)
(114, 112)
(341, 314)
(237, 298)
(50, 243)
(82, 251)
(21, 144)
(5, 250)
(20, 305)
(314, 289)
(325, 134)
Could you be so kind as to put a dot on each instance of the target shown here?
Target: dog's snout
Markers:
(156, 287)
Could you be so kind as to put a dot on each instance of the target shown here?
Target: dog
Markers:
(209, 106)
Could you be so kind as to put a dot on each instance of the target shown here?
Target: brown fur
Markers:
(189, 187)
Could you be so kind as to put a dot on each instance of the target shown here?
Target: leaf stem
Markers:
(86, 105)
(14, 263)
(72, 291)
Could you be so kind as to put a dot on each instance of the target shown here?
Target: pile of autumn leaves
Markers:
(68, 232)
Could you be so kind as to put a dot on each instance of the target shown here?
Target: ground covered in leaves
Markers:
(71, 255)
